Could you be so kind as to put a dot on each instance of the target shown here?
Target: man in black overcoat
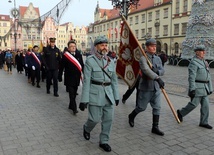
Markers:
(72, 65)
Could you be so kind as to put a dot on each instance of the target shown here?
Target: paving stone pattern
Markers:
(35, 123)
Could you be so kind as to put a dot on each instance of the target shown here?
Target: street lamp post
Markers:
(124, 5)
(15, 13)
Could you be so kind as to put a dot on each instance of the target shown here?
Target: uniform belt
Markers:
(199, 81)
(101, 83)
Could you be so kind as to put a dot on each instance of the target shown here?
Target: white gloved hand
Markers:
(33, 68)
(25, 65)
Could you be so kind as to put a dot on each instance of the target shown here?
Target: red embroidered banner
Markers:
(129, 54)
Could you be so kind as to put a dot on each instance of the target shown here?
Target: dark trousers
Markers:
(43, 73)
(130, 91)
(29, 72)
(35, 74)
(9, 66)
(72, 96)
(52, 74)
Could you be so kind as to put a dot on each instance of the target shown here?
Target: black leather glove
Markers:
(192, 94)
(82, 106)
(155, 70)
(160, 82)
(116, 102)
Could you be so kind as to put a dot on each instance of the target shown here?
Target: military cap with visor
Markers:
(100, 40)
(199, 48)
(151, 41)
(52, 40)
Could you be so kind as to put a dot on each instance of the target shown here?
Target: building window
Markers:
(177, 8)
(157, 31)
(143, 18)
(101, 28)
(157, 2)
(165, 30)
(4, 24)
(137, 33)
(158, 14)
(150, 17)
(166, 13)
(131, 21)
(116, 23)
(150, 30)
(184, 28)
(136, 19)
(176, 29)
(185, 5)
(104, 27)
(176, 48)
(143, 33)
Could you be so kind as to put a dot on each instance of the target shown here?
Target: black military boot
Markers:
(155, 128)
(38, 86)
(131, 118)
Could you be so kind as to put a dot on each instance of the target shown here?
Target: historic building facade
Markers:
(5, 24)
(49, 30)
(30, 25)
(164, 20)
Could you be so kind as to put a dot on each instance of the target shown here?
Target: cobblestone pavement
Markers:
(34, 123)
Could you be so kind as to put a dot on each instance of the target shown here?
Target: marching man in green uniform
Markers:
(99, 92)
(200, 86)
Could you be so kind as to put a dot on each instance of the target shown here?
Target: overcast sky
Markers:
(79, 12)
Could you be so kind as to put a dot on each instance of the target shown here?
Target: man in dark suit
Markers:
(72, 63)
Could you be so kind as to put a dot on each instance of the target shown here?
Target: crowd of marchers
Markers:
(100, 91)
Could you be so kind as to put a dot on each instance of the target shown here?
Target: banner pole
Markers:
(150, 65)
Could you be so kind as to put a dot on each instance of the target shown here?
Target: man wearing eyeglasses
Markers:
(72, 64)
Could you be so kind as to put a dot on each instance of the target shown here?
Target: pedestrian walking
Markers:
(9, 61)
(200, 86)
(36, 66)
(51, 60)
(71, 65)
(99, 92)
(1, 59)
(28, 64)
(149, 87)
(19, 62)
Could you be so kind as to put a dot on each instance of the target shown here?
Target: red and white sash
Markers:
(36, 58)
(74, 61)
